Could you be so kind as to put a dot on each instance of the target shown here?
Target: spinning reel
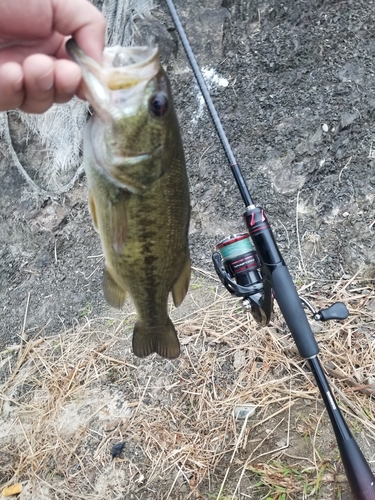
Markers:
(239, 268)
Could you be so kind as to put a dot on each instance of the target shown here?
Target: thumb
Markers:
(83, 21)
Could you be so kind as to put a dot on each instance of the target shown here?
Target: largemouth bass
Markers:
(138, 188)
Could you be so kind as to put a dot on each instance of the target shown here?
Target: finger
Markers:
(25, 19)
(82, 20)
(67, 79)
(38, 70)
(11, 86)
(19, 49)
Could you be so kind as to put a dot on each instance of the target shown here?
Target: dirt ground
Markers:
(293, 82)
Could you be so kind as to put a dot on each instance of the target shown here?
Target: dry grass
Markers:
(66, 400)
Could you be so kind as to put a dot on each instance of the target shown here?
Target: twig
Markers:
(345, 378)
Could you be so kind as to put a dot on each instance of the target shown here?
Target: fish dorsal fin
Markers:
(181, 285)
(118, 223)
(113, 293)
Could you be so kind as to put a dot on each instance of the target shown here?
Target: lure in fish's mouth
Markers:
(115, 88)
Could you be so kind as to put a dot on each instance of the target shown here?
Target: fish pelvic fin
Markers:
(118, 223)
(181, 285)
(113, 293)
(161, 339)
(92, 208)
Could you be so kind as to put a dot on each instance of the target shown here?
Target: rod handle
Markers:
(290, 305)
(360, 476)
(282, 284)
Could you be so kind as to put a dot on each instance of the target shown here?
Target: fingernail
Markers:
(46, 82)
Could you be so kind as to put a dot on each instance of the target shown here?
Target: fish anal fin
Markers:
(119, 224)
(92, 208)
(113, 293)
(161, 339)
(181, 285)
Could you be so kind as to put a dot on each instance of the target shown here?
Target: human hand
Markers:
(35, 70)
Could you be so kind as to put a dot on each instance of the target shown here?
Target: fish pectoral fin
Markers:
(113, 293)
(181, 285)
(161, 339)
(92, 208)
(119, 223)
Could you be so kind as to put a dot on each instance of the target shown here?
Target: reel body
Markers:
(238, 266)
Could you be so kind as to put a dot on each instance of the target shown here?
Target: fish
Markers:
(137, 188)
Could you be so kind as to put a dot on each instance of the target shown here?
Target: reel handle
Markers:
(335, 311)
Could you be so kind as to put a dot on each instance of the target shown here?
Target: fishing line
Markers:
(234, 246)
(211, 107)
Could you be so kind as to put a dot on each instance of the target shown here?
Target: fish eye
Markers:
(158, 104)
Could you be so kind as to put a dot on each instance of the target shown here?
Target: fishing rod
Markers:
(251, 266)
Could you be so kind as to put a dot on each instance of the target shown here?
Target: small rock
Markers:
(316, 327)
(347, 119)
(111, 426)
(325, 127)
(239, 359)
(117, 449)
(12, 490)
(282, 443)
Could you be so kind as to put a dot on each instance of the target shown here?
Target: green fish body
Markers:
(138, 189)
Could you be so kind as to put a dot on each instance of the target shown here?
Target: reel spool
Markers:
(240, 260)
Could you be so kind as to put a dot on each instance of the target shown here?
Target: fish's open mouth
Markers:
(125, 69)
(129, 57)
(122, 68)
(129, 66)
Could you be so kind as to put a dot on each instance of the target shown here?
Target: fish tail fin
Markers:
(166, 342)
(161, 339)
